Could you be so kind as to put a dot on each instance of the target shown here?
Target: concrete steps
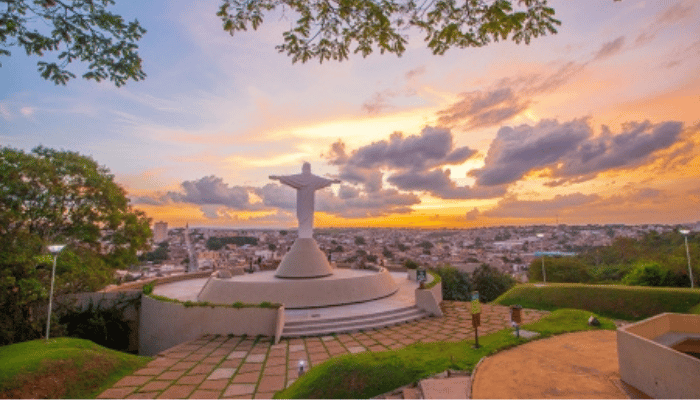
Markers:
(445, 385)
(325, 326)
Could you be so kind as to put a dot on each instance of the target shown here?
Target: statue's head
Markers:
(306, 168)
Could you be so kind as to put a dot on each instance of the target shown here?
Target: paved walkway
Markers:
(244, 367)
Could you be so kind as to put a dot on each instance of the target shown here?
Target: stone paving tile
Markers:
(239, 390)
(205, 394)
(143, 395)
(230, 363)
(201, 369)
(271, 383)
(150, 371)
(170, 375)
(275, 370)
(255, 358)
(132, 381)
(155, 386)
(221, 373)
(296, 347)
(264, 395)
(249, 368)
(248, 377)
(183, 365)
(177, 392)
(191, 379)
(297, 355)
(237, 354)
(356, 349)
(276, 361)
(116, 393)
(162, 362)
(214, 385)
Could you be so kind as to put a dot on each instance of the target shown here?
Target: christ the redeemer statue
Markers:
(306, 184)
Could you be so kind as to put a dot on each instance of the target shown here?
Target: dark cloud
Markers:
(438, 183)
(411, 163)
(516, 151)
(356, 204)
(611, 48)
(432, 148)
(213, 190)
(570, 151)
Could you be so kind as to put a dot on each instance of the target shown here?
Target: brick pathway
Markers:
(245, 367)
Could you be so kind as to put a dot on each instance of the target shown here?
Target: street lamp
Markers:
(544, 274)
(685, 233)
(53, 249)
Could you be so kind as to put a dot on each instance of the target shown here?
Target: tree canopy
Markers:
(49, 197)
(333, 29)
(86, 31)
(82, 30)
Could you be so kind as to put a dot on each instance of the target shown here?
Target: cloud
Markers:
(438, 183)
(512, 207)
(361, 205)
(432, 148)
(482, 109)
(472, 215)
(508, 98)
(611, 48)
(671, 15)
(410, 163)
(570, 151)
(381, 100)
(211, 190)
(516, 151)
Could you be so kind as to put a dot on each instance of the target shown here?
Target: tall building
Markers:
(160, 231)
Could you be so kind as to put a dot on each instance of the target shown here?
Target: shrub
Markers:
(651, 274)
(102, 324)
(148, 288)
(560, 269)
(455, 284)
(410, 264)
(490, 282)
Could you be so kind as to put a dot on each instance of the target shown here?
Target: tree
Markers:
(455, 284)
(490, 282)
(81, 30)
(50, 196)
(328, 30)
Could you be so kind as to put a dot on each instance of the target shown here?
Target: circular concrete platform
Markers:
(344, 286)
(403, 297)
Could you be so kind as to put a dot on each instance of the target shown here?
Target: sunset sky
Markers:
(597, 124)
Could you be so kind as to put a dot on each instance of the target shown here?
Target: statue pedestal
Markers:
(304, 260)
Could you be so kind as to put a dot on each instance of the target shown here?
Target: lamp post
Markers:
(685, 233)
(53, 249)
(544, 274)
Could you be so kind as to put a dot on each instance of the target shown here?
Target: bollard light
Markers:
(53, 249)
(302, 367)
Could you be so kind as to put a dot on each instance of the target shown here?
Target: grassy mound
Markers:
(62, 368)
(624, 302)
(366, 375)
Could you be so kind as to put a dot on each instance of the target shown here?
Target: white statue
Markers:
(306, 184)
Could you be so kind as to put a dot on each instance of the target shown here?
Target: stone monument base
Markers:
(303, 261)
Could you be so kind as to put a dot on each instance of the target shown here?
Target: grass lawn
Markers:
(368, 374)
(615, 301)
(62, 368)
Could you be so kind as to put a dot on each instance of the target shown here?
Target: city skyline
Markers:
(597, 124)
